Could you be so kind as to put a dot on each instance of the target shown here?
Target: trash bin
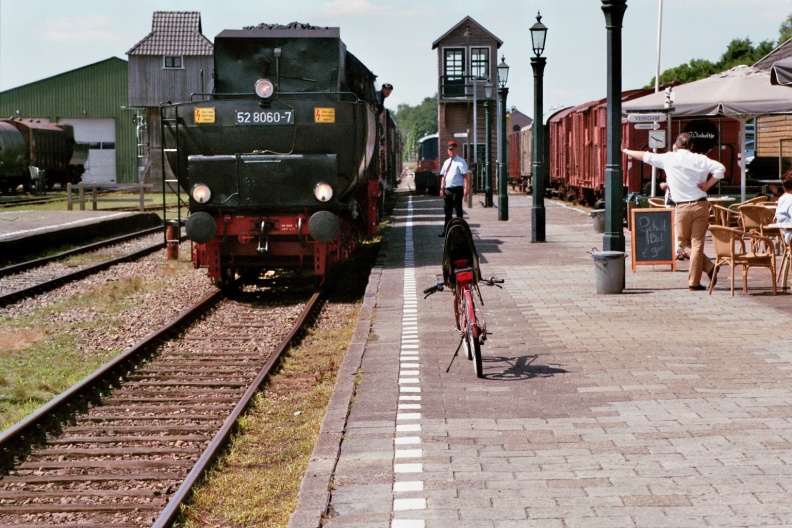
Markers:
(609, 271)
(599, 220)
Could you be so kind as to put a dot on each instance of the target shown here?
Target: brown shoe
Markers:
(698, 287)
(713, 278)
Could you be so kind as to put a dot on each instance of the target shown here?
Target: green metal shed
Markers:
(94, 100)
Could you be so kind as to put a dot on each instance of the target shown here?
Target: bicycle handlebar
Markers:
(492, 281)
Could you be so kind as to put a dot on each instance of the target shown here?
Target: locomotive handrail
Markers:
(274, 98)
(300, 236)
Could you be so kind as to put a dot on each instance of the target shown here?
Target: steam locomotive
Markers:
(48, 148)
(283, 160)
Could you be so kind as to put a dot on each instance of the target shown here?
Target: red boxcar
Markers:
(427, 171)
(577, 139)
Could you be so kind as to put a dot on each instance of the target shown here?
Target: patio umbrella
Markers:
(781, 72)
(742, 92)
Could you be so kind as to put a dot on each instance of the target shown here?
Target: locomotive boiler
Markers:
(282, 160)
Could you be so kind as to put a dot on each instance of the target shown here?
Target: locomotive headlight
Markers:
(264, 88)
(323, 192)
(201, 193)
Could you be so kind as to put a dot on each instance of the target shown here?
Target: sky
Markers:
(43, 38)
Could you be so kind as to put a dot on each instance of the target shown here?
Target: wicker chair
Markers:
(723, 216)
(755, 218)
(657, 203)
(730, 250)
(755, 200)
(783, 271)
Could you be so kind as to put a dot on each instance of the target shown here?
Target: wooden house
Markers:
(172, 62)
(466, 62)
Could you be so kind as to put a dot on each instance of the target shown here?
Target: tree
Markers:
(685, 73)
(739, 51)
(785, 31)
(416, 122)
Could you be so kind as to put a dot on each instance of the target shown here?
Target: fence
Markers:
(95, 197)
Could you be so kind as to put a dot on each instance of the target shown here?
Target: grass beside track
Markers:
(58, 201)
(46, 351)
(257, 480)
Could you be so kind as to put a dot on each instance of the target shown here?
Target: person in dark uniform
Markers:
(454, 184)
(383, 94)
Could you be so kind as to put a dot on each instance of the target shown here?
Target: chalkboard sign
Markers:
(653, 237)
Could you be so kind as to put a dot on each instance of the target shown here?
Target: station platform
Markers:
(655, 407)
(24, 231)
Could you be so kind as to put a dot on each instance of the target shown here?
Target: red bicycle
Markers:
(462, 276)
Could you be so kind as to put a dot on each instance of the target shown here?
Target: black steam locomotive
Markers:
(49, 148)
(283, 160)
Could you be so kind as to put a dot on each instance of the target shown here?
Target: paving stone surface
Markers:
(656, 407)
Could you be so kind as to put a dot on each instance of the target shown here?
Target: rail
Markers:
(94, 197)
(45, 424)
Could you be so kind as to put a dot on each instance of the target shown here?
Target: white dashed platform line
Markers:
(408, 415)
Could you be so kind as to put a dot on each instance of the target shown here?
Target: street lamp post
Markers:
(503, 92)
(614, 192)
(488, 148)
(538, 37)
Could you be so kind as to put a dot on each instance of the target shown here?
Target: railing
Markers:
(452, 87)
(94, 197)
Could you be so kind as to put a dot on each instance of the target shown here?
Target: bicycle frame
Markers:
(471, 330)
(461, 275)
(463, 293)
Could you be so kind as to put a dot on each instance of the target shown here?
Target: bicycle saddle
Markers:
(459, 245)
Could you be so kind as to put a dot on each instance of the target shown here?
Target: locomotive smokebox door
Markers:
(278, 180)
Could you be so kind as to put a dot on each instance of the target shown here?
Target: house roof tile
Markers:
(174, 33)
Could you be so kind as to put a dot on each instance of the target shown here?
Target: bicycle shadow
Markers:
(520, 368)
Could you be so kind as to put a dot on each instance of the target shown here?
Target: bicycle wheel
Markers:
(461, 311)
(472, 335)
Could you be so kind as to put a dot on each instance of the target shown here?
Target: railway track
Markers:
(125, 446)
(37, 276)
(12, 201)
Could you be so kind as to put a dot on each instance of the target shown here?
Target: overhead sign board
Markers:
(646, 126)
(646, 118)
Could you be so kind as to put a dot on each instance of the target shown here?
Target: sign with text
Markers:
(202, 114)
(646, 118)
(653, 237)
(324, 115)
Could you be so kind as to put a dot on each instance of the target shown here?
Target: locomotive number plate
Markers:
(265, 117)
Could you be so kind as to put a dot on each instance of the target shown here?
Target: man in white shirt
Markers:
(454, 184)
(688, 179)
